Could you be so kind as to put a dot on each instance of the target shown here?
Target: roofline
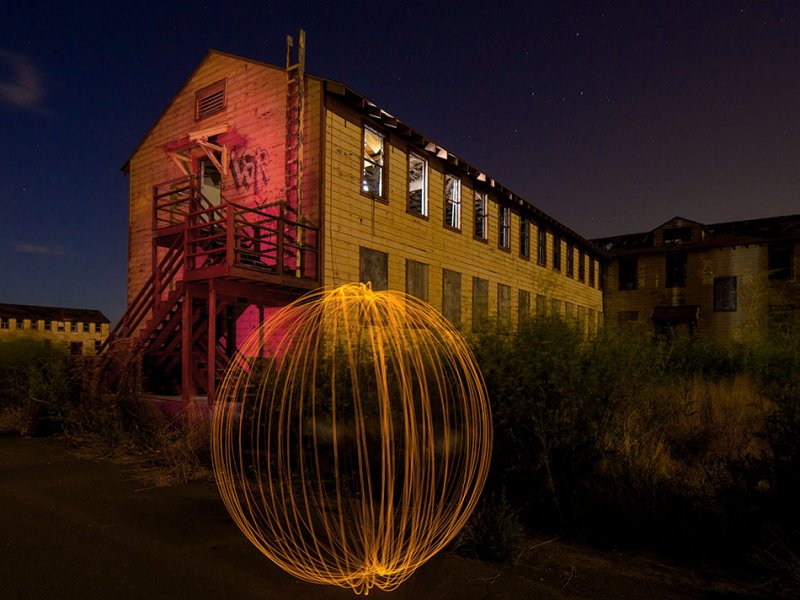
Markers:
(374, 111)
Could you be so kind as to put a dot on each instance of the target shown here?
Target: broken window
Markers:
(480, 303)
(417, 279)
(628, 276)
(541, 255)
(374, 268)
(524, 306)
(779, 261)
(503, 306)
(417, 185)
(524, 238)
(725, 294)
(505, 228)
(451, 296)
(452, 201)
(676, 269)
(675, 235)
(481, 215)
(372, 173)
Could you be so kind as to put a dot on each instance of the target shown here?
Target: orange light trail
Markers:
(358, 447)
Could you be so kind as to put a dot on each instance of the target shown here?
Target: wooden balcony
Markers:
(265, 244)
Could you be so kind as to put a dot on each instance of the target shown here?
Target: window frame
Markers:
(719, 298)
(454, 203)
(425, 199)
(581, 265)
(570, 260)
(504, 228)
(556, 252)
(524, 238)
(774, 252)
(383, 195)
(541, 245)
(483, 198)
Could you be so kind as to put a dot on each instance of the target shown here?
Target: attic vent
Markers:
(210, 100)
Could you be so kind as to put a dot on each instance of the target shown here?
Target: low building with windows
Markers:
(724, 281)
(258, 183)
(79, 330)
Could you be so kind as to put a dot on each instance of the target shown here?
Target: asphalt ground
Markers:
(77, 528)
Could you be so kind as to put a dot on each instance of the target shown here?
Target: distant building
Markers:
(82, 331)
(258, 183)
(723, 281)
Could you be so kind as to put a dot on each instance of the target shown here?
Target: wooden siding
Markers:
(255, 113)
(354, 220)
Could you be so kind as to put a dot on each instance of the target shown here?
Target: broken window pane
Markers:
(372, 176)
(417, 185)
(452, 202)
(481, 210)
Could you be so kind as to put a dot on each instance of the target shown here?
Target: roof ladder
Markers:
(295, 89)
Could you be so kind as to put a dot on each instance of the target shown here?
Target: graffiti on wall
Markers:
(249, 168)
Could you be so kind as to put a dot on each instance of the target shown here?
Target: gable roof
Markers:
(728, 233)
(372, 110)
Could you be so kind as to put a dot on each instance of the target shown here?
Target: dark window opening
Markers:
(675, 235)
(676, 269)
(779, 259)
(524, 238)
(725, 294)
(541, 256)
(628, 275)
(556, 252)
(570, 261)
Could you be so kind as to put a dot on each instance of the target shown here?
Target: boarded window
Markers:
(556, 252)
(676, 269)
(417, 185)
(374, 268)
(417, 279)
(541, 305)
(555, 307)
(541, 255)
(210, 100)
(725, 294)
(480, 303)
(592, 320)
(524, 238)
(504, 240)
(569, 311)
(503, 306)
(452, 202)
(628, 277)
(524, 306)
(481, 215)
(779, 261)
(372, 171)
(451, 296)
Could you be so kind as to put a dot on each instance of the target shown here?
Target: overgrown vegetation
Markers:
(671, 444)
(675, 445)
(43, 391)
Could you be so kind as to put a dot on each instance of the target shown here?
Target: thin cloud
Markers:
(22, 85)
(26, 248)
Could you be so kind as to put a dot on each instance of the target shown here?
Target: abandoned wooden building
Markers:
(258, 183)
(724, 281)
(80, 330)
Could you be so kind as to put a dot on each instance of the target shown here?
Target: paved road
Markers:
(74, 528)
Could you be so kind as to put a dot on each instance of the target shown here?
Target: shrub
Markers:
(493, 532)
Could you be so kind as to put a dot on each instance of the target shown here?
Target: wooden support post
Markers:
(212, 342)
(187, 364)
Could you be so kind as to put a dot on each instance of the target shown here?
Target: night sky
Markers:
(611, 117)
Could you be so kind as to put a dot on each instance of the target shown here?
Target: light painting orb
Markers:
(352, 436)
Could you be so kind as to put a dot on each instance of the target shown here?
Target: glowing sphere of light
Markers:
(351, 436)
